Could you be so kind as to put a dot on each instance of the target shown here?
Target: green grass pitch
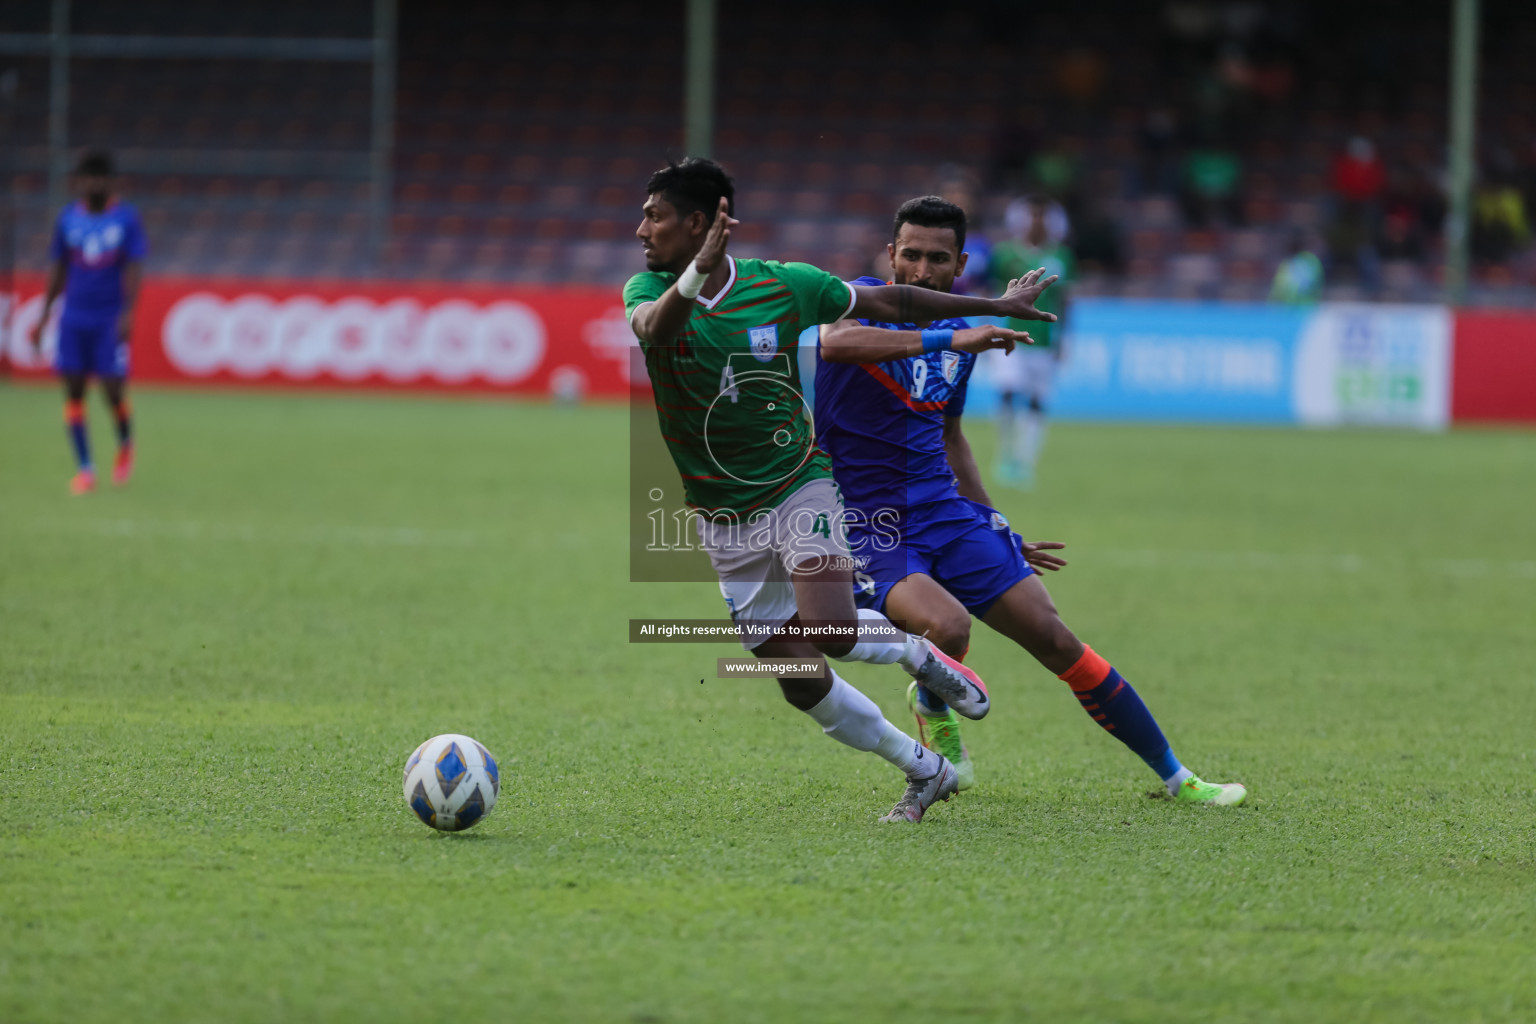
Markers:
(209, 683)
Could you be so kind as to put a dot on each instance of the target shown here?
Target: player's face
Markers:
(1037, 233)
(94, 189)
(926, 257)
(669, 240)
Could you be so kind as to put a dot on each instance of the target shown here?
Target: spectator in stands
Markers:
(1352, 247)
(1402, 240)
(1499, 225)
(1013, 145)
(1359, 179)
(1405, 233)
(956, 188)
(1299, 281)
(1358, 173)
(1210, 187)
(1158, 142)
(1096, 240)
(1057, 171)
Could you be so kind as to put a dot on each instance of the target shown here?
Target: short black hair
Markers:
(96, 163)
(931, 212)
(694, 184)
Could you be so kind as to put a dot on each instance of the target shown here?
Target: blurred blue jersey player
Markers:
(934, 553)
(97, 250)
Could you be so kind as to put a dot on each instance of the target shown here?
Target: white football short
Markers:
(1026, 370)
(754, 559)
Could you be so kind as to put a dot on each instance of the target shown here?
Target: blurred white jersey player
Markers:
(1037, 229)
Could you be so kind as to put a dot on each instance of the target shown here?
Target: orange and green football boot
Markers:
(1211, 794)
(942, 736)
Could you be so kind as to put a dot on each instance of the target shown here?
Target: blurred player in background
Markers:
(97, 250)
(719, 337)
(1037, 239)
(888, 407)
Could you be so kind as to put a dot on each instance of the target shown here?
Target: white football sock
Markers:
(1036, 420)
(1007, 434)
(1025, 441)
(1174, 781)
(909, 650)
(853, 719)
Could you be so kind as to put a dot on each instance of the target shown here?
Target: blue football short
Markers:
(966, 546)
(91, 347)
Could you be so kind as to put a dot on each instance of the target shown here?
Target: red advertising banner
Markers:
(1493, 370)
(566, 341)
(525, 341)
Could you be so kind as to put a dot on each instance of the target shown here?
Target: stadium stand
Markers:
(1188, 141)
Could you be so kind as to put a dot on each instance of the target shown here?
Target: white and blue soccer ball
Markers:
(451, 782)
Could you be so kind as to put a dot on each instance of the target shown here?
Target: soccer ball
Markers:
(451, 782)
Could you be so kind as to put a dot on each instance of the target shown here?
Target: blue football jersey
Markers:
(96, 246)
(883, 423)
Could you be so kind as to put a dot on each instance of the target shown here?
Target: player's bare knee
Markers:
(803, 694)
(834, 647)
(952, 635)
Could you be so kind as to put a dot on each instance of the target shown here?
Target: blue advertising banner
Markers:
(1335, 364)
(1170, 361)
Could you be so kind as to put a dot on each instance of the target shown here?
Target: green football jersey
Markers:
(1012, 260)
(728, 391)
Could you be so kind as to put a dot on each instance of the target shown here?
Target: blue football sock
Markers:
(74, 417)
(929, 703)
(1115, 705)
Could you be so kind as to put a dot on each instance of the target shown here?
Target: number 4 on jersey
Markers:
(728, 384)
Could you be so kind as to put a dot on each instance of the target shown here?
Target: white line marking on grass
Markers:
(1125, 558)
(1267, 561)
(365, 536)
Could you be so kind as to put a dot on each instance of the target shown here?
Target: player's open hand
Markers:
(1019, 300)
(979, 339)
(719, 234)
(1037, 554)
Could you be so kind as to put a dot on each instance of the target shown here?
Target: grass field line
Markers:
(367, 536)
(1269, 561)
(1125, 558)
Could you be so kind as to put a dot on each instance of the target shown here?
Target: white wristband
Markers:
(690, 282)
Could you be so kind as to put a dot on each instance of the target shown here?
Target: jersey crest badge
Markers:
(765, 342)
(950, 366)
(999, 522)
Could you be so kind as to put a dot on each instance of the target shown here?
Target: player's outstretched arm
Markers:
(850, 342)
(904, 303)
(659, 322)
